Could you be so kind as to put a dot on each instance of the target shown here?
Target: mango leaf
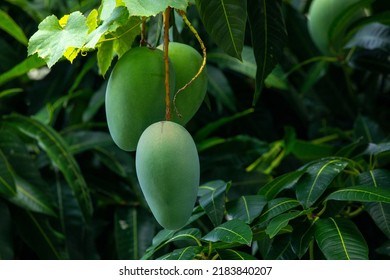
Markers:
(148, 8)
(230, 254)
(246, 208)
(12, 28)
(132, 232)
(212, 199)
(6, 242)
(32, 198)
(268, 37)
(317, 179)
(58, 151)
(285, 181)
(280, 249)
(7, 182)
(279, 222)
(340, 239)
(362, 194)
(276, 207)
(379, 211)
(225, 22)
(84, 140)
(187, 253)
(302, 235)
(54, 36)
(234, 231)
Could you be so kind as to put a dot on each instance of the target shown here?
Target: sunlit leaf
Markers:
(340, 239)
(148, 8)
(225, 22)
(234, 231)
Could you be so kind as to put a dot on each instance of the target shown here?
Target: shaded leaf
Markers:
(361, 193)
(268, 37)
(58, 151)
(212, 199)
(230, 254)
(148, 8)
(6, 240)
(246, 208)
(285, 181)
(384, 249)
(317, 179)
(80, 141)
(368, 130)
(12, 28)
(225, 22)
(280, 249)
(279, 222)
(187, 253)
(302, 235)
(340, 239)
(276, 207)
(52, 39)
(234, 231)
(7, 182)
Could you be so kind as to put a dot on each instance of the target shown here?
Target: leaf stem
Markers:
(166, 16)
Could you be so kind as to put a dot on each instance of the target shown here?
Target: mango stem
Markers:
(166, 16)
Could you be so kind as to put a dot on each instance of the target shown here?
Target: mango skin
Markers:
(322, 15)
(167, 166)
(135, 95)
(186, 63)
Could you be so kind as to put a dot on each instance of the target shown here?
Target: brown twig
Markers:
(166, 16)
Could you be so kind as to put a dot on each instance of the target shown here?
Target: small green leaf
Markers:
(230, 254)
(279, 222)
(285, 181)
(212, 199)
(276, 207)
(148, 8)
(340, 239)
(317, 179)
(362, 194)
(12, 28)
(268, 37)
(225, 22)
(187, 253)
(234, 231)
(52, 39)
(58, 151)
(246, 208)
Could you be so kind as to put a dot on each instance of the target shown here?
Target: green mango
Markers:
(135, 95)
(329, 20)
(186, 62)
(167, 166)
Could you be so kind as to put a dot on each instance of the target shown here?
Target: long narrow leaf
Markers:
(11, 27)
(7, 182)
(340, 239)
(268, 37)
(234, 231)
(361, 193)
(225, 21)
(58, 151)
(246, 208)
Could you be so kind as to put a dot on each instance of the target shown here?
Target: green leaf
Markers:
(187, 253)
(12, 28)
(32, 198)
(230, 254)
(22, 68)
(84, 140)
(276, 207)
(340, 239)
(379, 211)
(280, 249)
(281, 221)
(125, 35)
(234, 231)
(53, 39)
(7, 182)
(302, 235)
(225, 22)
(384, 249)
(58, 151)
(246, 208)
(317, 179)
(6, 242)
(362, 194)
(285, 181)
(368, 130)
(212, 199)
(132, 232)
(268, 37)
(148, 8)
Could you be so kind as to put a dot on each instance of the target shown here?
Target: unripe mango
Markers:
(186, 63)
(135, 95)
(326, 16)
(167, 166)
